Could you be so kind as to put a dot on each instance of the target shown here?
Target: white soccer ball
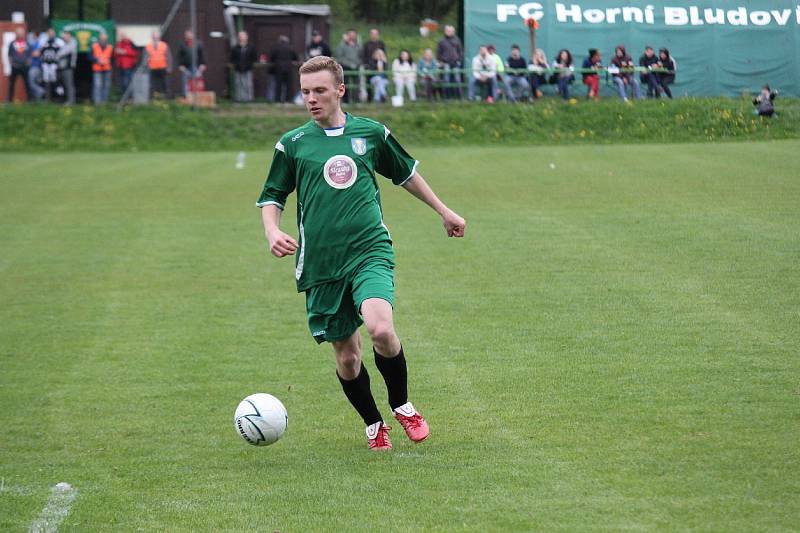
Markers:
(260, 419)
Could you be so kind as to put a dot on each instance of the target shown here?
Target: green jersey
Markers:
(339, 214)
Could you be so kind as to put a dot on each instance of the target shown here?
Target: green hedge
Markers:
(33, 128)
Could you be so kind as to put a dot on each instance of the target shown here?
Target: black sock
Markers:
(395, 375)
(357, 391)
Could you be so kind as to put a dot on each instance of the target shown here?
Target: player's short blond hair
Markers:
(320, 63)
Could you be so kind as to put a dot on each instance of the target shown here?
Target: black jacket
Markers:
(320, 49)
(645, 61)
(282, 57)
(185, 55)
(243, 57)
(369, 49)
(450, 50)
(517, 64)
(667, 77)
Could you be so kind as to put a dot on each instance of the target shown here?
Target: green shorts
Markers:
(334, 309)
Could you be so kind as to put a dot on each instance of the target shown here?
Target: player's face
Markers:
(321, 96)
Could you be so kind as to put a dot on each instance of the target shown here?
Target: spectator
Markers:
(243, 56)
(317, 47)
(49, 56)
(428, 68)
(373, 44)
(623, 74)
(484, 74)
(517, 77)
(538, 68)
(67, 61)
(284, 60)
(159, 62)
(404, 73)
(19, 55)
(126, 57)
(348, 54)
(378, 64)
(764, 102)
(564, 75)
(648, 62)
(450, 55)
(501, 73)
(590, 77)
(667, 76)
(35, 43)
(191, 74)
(102, 55)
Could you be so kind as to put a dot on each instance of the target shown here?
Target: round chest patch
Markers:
(340, 172)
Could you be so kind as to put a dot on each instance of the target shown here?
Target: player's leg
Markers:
(332, 317)
(373, 293)
(377, 315)
(391, 362)
(354, 379)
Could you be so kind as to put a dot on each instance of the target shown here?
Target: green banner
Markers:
(86, 32)
(720, 47)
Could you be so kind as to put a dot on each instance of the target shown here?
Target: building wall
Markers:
(209, 18)
(33, 9)
(264, 33)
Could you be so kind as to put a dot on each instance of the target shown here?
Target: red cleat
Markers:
(415, 426)
(378, 436)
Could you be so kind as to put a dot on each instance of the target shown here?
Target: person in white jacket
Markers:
(484, 74)
(404, 73)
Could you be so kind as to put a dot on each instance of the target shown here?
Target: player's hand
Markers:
(281, 244)
(454, 225)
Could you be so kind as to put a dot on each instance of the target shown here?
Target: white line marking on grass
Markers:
(56, 510)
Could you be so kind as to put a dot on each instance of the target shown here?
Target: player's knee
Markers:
(382, 333)
(349, 359)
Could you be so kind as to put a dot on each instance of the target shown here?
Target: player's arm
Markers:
(454, 225)
(280, 244)
(280, 183)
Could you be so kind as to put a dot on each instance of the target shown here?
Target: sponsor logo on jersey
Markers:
(298, 136)
(340, 171)
(359, 145)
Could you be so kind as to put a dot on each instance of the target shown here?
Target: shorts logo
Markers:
(359, 145)
(340, 172)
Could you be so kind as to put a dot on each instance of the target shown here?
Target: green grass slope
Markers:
(612, 347)
(548, 122)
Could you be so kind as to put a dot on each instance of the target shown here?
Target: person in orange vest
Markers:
(159, 61)
(102, 54)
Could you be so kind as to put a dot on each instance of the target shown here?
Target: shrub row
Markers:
(33, 128)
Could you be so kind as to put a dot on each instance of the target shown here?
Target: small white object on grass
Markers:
(240, 160)
(56, 510)
(552, 165)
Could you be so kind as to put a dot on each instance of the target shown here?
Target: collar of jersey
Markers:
(339, 130)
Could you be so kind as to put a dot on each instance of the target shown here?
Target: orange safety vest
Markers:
(102, 57)
(156, 56)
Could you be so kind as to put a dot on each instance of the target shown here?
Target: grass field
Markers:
(614, 346)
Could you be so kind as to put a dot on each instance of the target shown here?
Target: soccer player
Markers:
(344, 257)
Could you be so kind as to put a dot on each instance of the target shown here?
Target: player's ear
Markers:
(341, 90)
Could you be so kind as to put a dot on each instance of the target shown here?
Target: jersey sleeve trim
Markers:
(413, 171)
(279, 146)
(386, 133)
(270, 202)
